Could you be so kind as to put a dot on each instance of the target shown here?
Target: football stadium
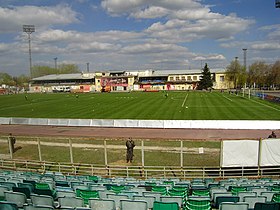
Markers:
(194, 149)
(149, 136)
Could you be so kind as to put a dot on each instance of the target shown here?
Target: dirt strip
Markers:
(137, 133)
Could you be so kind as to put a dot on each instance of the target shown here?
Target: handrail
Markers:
(142, 172)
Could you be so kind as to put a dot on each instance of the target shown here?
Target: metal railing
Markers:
(143, 172)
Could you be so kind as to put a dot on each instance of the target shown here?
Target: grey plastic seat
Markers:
(16, 197)
(268, 194)
(118, 198)
(177, 199)
(65, 194)
(31, 207)
(44, 200)
(2, 190)
(149, 199)
(132, 204)
(241, 195)
(234, 206)
(98, 204)
(4, 205)
(155, 194)
(71, 202)
(251, 200)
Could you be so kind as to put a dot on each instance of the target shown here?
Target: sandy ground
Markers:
(138, 133)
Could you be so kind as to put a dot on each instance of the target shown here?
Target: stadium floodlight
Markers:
(245, 58)
(29, 29)
(277, 3)
(55, 62)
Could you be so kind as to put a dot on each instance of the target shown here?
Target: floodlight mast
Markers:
(29, 29)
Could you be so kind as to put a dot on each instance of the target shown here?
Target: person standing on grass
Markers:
(129, 150)
(12, 140)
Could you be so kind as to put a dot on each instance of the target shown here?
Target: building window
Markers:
(171, 78)
(222, 78)
(183, 78)
(189, 78)
(177, 78)
(195, 78)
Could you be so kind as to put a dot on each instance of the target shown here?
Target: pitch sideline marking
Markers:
(227, 98)
(185, 99)
(266, 105)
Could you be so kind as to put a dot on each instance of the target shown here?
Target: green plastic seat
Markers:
(201, 192)
(236, 189)
(276, 198)
(42, 186)
(87, 194)
(117, 188)
(161, 189)
(165, 206)
(196, 204)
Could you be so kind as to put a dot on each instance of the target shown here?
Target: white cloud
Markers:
(148, 48)
(266, 46)
(213, 57)
(12, 18)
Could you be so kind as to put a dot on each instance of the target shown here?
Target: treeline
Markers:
(259, 75)
(37, 71)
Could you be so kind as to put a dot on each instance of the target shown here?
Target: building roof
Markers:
(64, 77)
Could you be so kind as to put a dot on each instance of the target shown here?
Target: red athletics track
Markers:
(138, 133)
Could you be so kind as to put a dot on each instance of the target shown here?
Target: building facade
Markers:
(124, 81)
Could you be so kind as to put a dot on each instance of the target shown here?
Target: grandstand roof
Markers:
(63, 76)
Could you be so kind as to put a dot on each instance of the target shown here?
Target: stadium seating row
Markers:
(28, 191)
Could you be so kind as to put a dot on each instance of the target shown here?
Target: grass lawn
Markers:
(139, 105)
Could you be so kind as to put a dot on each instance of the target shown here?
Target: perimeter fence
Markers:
(152, 158)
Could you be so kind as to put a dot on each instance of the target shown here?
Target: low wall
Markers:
(121, 123)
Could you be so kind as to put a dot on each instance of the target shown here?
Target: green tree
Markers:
(206, 79)
(236, 73)
(6, 79)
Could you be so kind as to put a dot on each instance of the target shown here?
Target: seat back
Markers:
(16, 197)
(251, 200)
(158, 205)
(221, 199)
(8, 206)
(276, 198)
(44, 200)
(71, 202)
(23, 190)
(177, 199)
(2, 190)
(117, 199)
(133, 204)
(155, 194)
(197, 203)
(149, 199)
(241, 195)
(268, 195)
(234, 206)
(267, 206)
(31, 207)
(106, 204)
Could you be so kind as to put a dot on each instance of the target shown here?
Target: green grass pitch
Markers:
(139, 105)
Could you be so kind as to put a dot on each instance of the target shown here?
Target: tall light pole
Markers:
(88, 67)
(29, 29)
(55, 62)
(245, 57)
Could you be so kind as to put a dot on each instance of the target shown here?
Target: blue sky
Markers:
(138, 34)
